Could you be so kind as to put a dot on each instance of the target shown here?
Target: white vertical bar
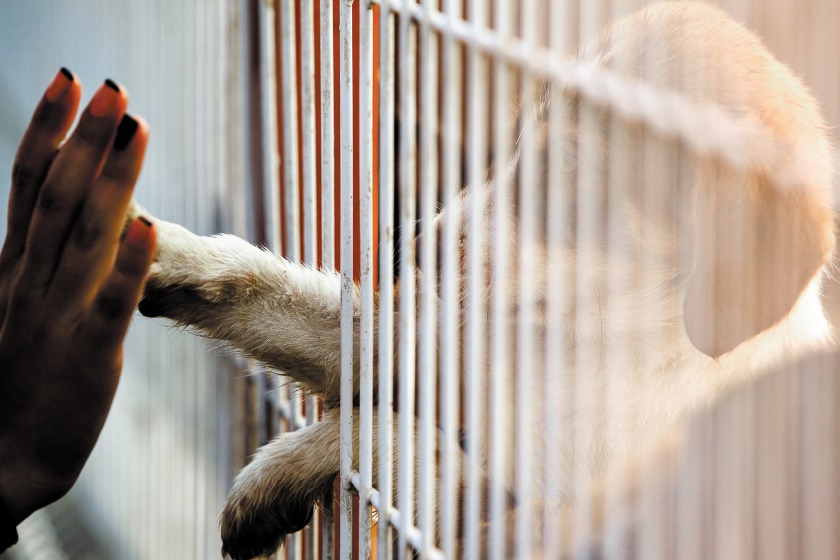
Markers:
(500, 391)
(475, 358)
(658, 170)
(620, 174)
(524, 325)
(310, 232)
(818, 455)
(622, 181)
(589, 234)
(206, 52)
(819, 474)
(591, 16)
(558, 236)
(307, 54)
(270, 173)
(450, 284)
(327, 137)
(408, 194)
(290, 131)
(366, 264)
(772, 498)
(735, 446)
(326, 29)
(386, 276)
(345, 28)
(693, 488)
(427, 373)
(271, 185)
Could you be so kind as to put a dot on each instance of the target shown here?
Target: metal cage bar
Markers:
(366, 281)
(476, 138)
(387, 46)
(427, 320)
(407, 185)
(345, 29)
(500, 356)
(450, 373)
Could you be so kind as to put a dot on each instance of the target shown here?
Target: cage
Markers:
(490, 359)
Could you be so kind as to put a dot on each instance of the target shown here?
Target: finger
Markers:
(105, 327)
(68, 182)
(93, 238)
(48, 127)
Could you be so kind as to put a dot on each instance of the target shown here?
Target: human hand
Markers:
(68, 287)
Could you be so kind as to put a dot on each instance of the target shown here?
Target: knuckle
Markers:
(50, 201)
(22, 176)
(21, 305)
(39, 333)
(117, 170)
(86, 234)
(42, 116)
(96, 135)
(111, 306)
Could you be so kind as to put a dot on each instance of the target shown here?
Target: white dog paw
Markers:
(189, 272)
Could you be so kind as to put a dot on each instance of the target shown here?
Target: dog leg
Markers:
(281, 313)
(276, 493)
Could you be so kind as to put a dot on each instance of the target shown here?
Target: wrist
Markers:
(12, 510)
(24, 489)
(8, 527)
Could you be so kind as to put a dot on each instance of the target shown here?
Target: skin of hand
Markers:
(68, 287)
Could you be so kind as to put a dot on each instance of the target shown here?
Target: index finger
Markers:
(49, 125)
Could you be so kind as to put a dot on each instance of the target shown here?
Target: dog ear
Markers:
(757, 247)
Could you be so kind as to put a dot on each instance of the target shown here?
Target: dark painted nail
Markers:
(125, 132)
(67, 74)
(145, 221)
(113, 85)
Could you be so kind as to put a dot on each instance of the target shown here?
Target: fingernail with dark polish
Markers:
(105, 100)
(125, 132)
(59, 86)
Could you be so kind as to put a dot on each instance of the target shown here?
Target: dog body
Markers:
(706, 274)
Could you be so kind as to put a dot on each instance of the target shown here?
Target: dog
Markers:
(717, 277)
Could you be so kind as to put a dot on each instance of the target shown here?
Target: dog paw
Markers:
(182, 280)
(179, 302)
(257, 518)
(252, 533)
(189, 272)
(275, 495)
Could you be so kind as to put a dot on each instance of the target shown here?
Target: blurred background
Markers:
(182, 423)
(159, 474)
